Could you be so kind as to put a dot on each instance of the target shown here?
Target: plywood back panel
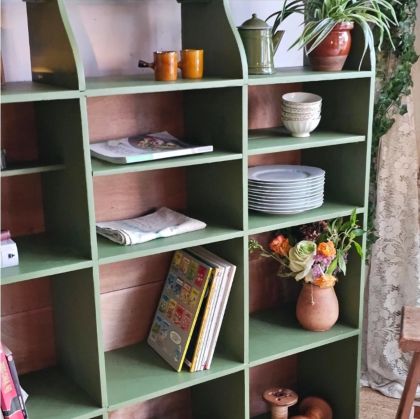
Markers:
(127, 115)
(176, 405)
(288, 157)
(264, 105)
(131, 273)
(30, 336)
(134, 194)
(266, 289)
(22, 205)
(282, 372)
(27, 324)
(127, 314)
(18, 132)
(25, 296)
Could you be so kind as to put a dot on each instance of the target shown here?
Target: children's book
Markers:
(214, 310)
(179, 305)
(159, 145)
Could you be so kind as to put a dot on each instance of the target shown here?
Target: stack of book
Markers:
(9, 252)
(12, 395)
(191, 308)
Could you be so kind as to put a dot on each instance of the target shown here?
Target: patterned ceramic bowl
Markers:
(301, 99)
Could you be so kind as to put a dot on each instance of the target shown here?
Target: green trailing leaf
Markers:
(358, 249)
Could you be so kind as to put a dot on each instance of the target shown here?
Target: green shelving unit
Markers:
(99, 364)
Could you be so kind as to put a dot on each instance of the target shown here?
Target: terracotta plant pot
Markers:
(332, 52)
(317, 308)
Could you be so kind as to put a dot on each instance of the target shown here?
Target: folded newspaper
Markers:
(162, 223)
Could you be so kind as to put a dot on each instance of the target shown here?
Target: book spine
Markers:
(10, 404)
(15, 378)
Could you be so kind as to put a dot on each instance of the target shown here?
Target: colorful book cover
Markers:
(178, 308)
(15, 378)
(10, 403)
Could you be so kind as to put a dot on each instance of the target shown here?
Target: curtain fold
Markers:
(393, 278)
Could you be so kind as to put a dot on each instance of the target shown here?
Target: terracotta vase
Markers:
(317, 308)
(332, 52)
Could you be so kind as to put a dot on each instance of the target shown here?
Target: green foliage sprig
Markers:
(395, 82)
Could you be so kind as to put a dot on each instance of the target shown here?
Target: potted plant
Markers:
(315, 253)
(326, 36)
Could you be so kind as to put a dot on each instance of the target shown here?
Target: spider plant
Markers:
(322, 15)
(289, 8)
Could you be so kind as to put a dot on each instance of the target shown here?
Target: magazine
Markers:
(162, 223)
(159, 145)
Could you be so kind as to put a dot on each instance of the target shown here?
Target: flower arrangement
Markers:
(314, 252)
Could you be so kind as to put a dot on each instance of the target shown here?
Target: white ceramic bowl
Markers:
(301, 99)
(301, 129)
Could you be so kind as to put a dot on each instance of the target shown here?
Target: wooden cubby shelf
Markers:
(259, 222)
(277, 140)
(53, 395)
(78, 309)
(40, 256)
(101, 168)
(106, 86)
(30, 169)
(125, 366)
(18, 92)
(110, 252)
(268, 329)
(304, 74)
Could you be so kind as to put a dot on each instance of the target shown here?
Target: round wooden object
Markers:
(280, 400)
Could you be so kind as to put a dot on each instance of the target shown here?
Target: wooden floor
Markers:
(374, 405)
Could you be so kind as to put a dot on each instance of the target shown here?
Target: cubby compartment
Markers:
(187, 190)
(155, 23)
(44, 188)
(342, 193)
(57, 359)
(272, 305)
(195, 402)
(344, 117)
(130, 292)
(326, 372)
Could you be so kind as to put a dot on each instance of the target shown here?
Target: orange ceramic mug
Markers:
(192, 63)
(165, 65)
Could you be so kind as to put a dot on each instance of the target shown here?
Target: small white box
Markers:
(9, 253)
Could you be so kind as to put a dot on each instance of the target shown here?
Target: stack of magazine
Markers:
(189, 316)
(162, 223)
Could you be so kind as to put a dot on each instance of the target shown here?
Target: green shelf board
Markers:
(260, 222)
(102, 168)
(39, 256)
(136, 373)
(27, 91)
(30, 169)
(52, 395)
(305, 74)
(275, 334)
(110, 252)
(145, 83)
(274, 140)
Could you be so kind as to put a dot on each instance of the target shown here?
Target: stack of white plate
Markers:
(285, 189)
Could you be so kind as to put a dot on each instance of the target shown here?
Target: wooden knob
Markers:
(280, 400)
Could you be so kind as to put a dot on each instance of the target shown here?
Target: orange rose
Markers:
(280, 245)
(325, 281)
(327, 249)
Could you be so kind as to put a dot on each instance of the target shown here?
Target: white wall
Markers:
(113, 34)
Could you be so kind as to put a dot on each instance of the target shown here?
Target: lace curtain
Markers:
(394, 273)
